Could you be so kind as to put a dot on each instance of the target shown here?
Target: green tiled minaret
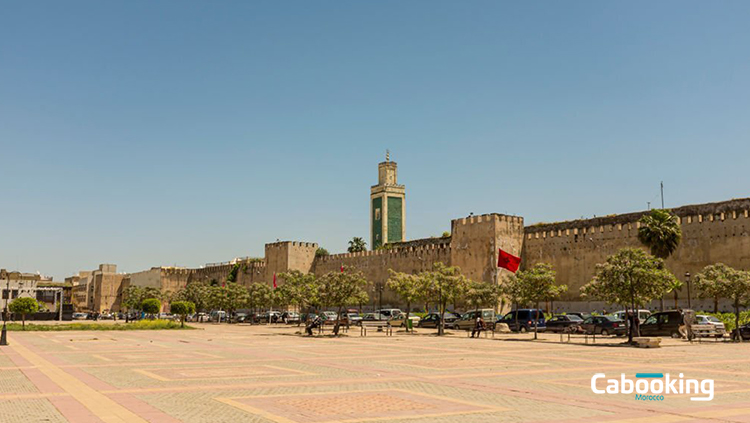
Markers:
(387, 206)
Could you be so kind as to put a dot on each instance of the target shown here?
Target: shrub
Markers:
(24, 306)
(158, 324)
(151, 306)
(182, 309)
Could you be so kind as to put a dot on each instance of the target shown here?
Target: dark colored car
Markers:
(564, 323)
(744, 331)
(582, 314)
(604, 325)
(523, 320)
(664, 323)
(431, 320)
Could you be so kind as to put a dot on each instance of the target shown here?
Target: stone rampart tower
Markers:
(387, 206)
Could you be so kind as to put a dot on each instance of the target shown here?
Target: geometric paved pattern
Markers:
(237, 373)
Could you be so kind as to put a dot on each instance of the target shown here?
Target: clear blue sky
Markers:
(148, 133)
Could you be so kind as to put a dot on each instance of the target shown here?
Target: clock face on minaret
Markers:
(387, 206)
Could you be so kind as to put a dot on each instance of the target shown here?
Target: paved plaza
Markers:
(239, 373)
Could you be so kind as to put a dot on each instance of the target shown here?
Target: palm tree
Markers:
(661, 233)
(357, 245)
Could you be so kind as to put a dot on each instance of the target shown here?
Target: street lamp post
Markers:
(4, 333)
(687, 278)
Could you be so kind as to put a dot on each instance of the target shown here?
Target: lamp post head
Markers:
(687, 275)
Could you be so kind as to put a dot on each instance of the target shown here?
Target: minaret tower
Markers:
(387, 206)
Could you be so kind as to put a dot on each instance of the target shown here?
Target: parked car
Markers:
(238, 318)
(389, 312)
(744, 331)
(351, 318)
(642, 315)
(718, 325)
(469, 319)
(604, 325)
(523, 320)
(270, 317)
(218, 316)
(80, 316)
(663, 323)
(582, 314)
(399, 320)
(564, 323)
(165, 316)
(432, 320)
(329, 316)
(373, 317)
(290, 317)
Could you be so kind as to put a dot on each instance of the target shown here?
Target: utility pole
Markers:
(4, 334)
(662, 195)
(648, 203)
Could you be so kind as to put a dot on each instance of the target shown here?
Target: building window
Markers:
(377, 214)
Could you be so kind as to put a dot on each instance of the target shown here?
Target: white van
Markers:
(642, 315)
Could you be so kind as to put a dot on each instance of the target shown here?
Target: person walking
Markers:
(478, 326)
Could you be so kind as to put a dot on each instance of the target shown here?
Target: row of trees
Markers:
(444, 285)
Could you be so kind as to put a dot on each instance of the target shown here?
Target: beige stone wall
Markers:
(475, 241)
(107, 291)
(715, 232)
(150, 278)
(289, 255)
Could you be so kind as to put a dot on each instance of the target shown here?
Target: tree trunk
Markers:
(182, 321)
(441, 326)
(716, 304)
(408, 310)
(631, 323)
(661, 303)
(536, 319)
(338, 323)
(23, 321)
(737, 318)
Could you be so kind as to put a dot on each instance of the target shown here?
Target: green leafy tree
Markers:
(232, 276)
(182, 309)
(661, 233)
(357, 245)
(711, 281)
(538, 284)
(134, 295)
(151, 306)
(726, 282)
(482, 294)
(441, 286)
(261, 296)
(196, 292)
(24, 306)
(299, 289)
(445, 234)
(321, 252)
(407, 287)
(339, 289)
(630, 278)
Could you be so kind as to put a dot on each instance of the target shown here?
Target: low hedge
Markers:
(139, 325)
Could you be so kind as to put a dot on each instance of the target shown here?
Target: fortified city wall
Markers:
(714, 232)
(711, 233)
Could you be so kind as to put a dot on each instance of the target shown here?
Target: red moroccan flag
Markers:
(274, 281)
(508, 261)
